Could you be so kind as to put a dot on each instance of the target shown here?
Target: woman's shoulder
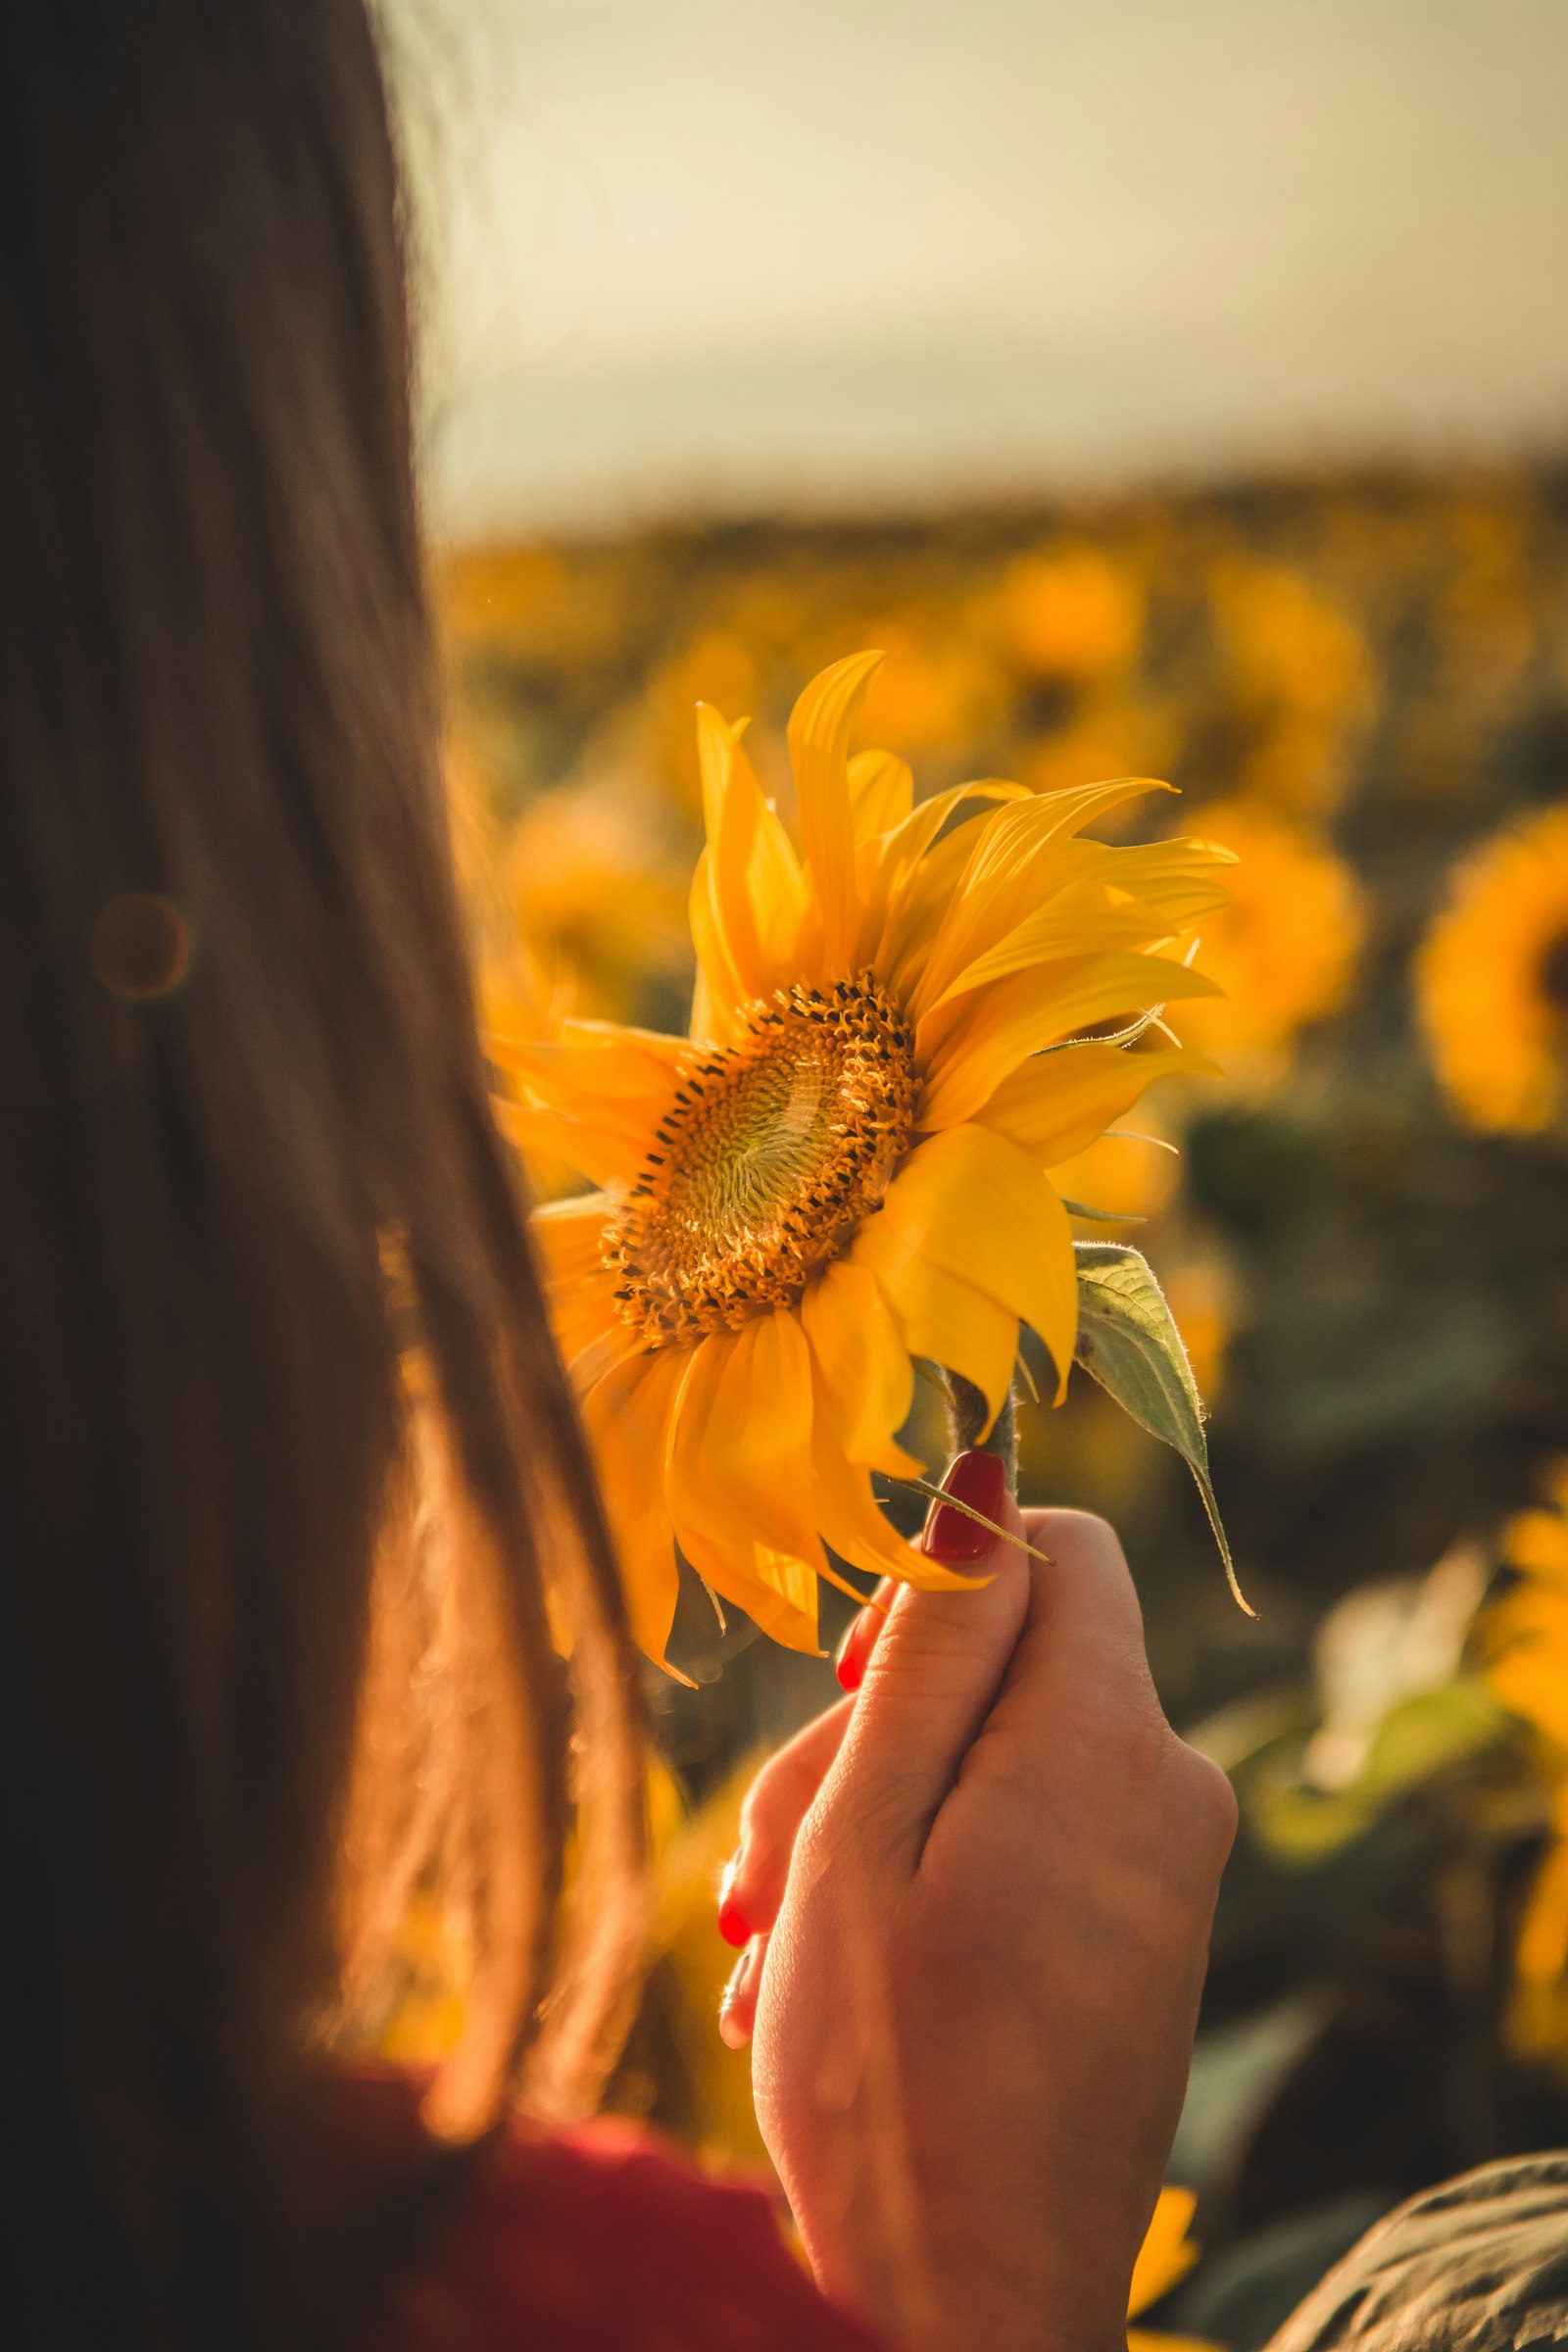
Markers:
(606, 2240)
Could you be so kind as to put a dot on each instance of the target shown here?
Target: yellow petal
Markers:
(1148, 867)
(598, 1062)
(740, 1461)
(711, 1024)
(1011, 871)
(1166, 2254)
(937, 891)
(851, 1522)
(569, 1237)
(863, 1370)
(955, 1325)
(582, 1312)
(1100, 911)
(601, 1149)
(819, 744)
(943, 1316)
(999, 1027)
(975, 1205)
(752, 895)
(568, 1240)
(724, 990)
(593, 1095)
(626, 1415)
(914, 914)
(777, 1593)
(903, 898)
(594, 1340)
(718, 753)
(1056, 1104)
(881, 792)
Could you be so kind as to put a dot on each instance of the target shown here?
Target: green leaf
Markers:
(1128, 1341)
(1418, 1739)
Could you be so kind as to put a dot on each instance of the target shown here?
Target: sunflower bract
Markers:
(843, 1166)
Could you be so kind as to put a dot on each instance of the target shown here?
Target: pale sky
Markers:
(723, 255)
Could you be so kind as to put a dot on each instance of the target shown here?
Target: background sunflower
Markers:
(1493, 978)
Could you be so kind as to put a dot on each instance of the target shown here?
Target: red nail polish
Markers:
(732, 1923)
(980, 1480)
(853, 1652)
(865, 1632)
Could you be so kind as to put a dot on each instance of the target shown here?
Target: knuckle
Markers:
(1208, 1797)
(1088, 1582)
(1224, 1811)
(1078, 1535)
(1127, 1718)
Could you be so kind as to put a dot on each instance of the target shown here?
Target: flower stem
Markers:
(968, 1413)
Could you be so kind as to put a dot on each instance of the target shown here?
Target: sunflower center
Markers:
(770, 1154)
(1552, 975)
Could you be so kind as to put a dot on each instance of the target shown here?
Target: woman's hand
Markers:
(980, 1895)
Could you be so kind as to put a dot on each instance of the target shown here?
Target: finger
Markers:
(777, 1802)
(737, 2011)
(936, 1671)
(1083, 1635)
(865, 1631)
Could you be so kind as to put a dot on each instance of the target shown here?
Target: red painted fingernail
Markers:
(731, 1919)
(865, 1631)
(855, 1651)
(980, 1480)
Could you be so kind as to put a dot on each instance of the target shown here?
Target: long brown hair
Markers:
(296, 1524)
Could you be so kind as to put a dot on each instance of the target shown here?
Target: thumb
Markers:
(938, 1667)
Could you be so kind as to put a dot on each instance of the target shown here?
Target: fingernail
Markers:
(731, 1919)
(731, 2032)
(980, 1480)
(855, 1651)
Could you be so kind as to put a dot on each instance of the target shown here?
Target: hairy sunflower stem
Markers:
(968, 1413)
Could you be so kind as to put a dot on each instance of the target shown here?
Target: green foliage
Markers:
(1128, 1341)
(1419, 1738)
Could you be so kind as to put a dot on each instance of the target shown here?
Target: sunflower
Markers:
(1527, 1633)
(1301, 681)
(1069, 613)
(842, 1168)
(1491, 978)
(1285, 949)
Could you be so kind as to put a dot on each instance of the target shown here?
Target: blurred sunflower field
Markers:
(1360, 687)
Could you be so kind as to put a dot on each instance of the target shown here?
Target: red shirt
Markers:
(602, 2240)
